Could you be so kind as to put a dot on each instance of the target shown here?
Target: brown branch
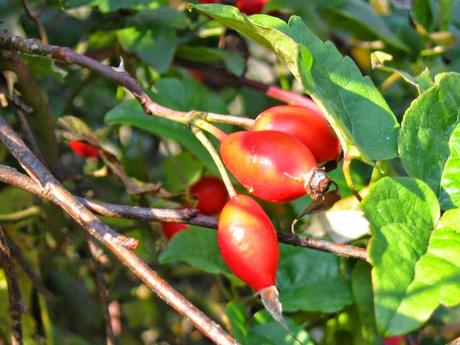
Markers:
(57, 193)
(120, 77)
(28, 134)
(16, 305)
(101, 289)
(53, 190)
(189, 216)
(67, 55)
(34, 277)
(36, 19)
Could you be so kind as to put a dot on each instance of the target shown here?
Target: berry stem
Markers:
(217, 132)
(230, 120)
(348, 178)
(215, 156)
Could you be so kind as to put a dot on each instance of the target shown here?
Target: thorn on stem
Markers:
(121, 66)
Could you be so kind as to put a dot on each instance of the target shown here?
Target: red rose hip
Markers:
(211, 194)
(246, 6)
(273, 165)
(247, 242)
(170, 229)
(83, 149)
(308, 125)
(396, 340)
(250, 6)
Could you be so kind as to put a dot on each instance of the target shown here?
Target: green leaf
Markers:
(203, 254)
(174, 93)
(450, 220)
(353, 105)
(422, 13)
(74, 125)
(425, 142)
(154, 47)
(265, 330)
(237, 316)
(358, 17)
(422, 82)
(362, 293)
(449, 196)
(234, 62)
(14, 199)
(41, 66)
(415, 268)
(310, 280)
(180, 171)
(187, 94)
(131, 113)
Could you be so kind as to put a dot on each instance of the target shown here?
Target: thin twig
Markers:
(323, 245)
(13, 177)
(269, 90)
(217, 161)
(211, 129)
(34, 277)
(53, 190)
(348, 178)
(17, 102)
(120, 77)
(16, 305)
(101, 289)
(57, 193)
(36, 19)
(28, 134)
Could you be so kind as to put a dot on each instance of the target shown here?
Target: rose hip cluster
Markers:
(277, 161)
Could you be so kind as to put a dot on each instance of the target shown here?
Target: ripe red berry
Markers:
(247, 242)
(251, 6)
(308, 125)
(83, 149)
(170, 229)
(211, 194)
(246, 6)
(274, 166)
(396, 340)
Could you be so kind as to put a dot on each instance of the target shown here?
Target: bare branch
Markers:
(67, 55)
(102, 290)
(36, 19)
(34, 277)
(16, 305)
(54, 191)
(189, 216)
(57, 193)
(28, 134)
(269, 90)
(323, 245)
